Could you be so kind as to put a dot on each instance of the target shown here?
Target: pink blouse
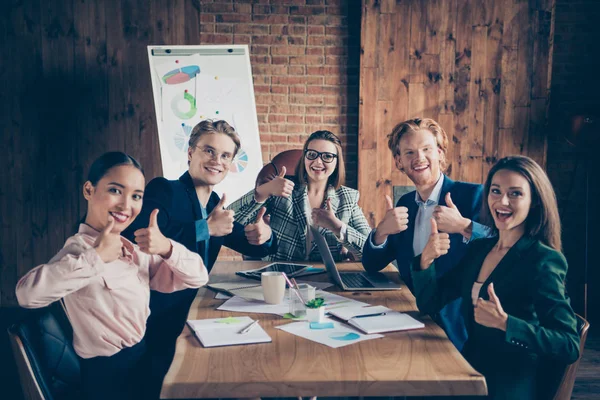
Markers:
(107, 303)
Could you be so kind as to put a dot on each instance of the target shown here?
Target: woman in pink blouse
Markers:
(104, 280)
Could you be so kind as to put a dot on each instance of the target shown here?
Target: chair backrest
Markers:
(565, 388)
(47, 363)
(288, 159)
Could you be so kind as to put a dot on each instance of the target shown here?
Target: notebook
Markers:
(377, 319)
(226, 331)
(354, 281)
(290, 269)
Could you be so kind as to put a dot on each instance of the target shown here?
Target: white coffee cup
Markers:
(273, 285)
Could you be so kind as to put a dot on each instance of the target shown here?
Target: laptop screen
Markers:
(326, 255)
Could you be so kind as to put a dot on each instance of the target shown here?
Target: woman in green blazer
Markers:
(517, 314)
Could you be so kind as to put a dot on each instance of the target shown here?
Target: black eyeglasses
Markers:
(325, 156)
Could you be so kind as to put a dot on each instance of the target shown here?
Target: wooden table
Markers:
(409, 363)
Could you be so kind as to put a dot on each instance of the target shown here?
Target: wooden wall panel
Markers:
(480, 68)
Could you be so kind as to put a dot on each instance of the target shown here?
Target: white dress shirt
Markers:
(424, 214)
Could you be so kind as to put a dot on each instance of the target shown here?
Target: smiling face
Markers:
(118, 194)
(419, 157)
(509, 200)
(211, 158)
(317, 170)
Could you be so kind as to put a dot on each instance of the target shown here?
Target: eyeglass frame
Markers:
(216, 156)
(320, 154)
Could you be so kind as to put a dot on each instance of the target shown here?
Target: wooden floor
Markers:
(587, 385)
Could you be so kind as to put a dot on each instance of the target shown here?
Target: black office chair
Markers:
(47, 364)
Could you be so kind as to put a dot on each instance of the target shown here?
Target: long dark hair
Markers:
(109, 160)
(543, 221)
(103, 164)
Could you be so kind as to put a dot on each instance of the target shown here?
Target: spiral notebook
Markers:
(377, 319)
(227, 331)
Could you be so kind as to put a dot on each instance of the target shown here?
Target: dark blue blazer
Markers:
(399, 247)
(180, 218)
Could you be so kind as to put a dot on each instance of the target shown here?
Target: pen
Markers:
(368, 315)
(293, 287)
(249, 327)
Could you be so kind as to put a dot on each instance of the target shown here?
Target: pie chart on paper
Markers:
(240, 162)
(184, 107)
(181, 137)
(181, 75)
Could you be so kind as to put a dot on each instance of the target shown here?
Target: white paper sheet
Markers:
(332, 301)
(339, 336)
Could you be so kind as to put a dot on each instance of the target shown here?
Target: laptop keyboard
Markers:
(355, 281)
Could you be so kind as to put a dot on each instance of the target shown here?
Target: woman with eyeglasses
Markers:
(318, 199)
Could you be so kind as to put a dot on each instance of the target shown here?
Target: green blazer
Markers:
(541, 327)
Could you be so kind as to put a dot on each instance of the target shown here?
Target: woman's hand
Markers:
(151, 240)
(325, 218)
(109, 245)
(437, 245)
(278, 186)
(490, 313)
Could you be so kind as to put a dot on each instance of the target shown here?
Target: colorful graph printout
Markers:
(181, 75)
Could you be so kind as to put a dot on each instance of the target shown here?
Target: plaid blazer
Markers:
(289, 222)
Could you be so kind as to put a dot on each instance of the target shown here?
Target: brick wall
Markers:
(305, 64)
(574, 90)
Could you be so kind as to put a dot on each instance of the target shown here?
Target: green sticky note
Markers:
(228, 320)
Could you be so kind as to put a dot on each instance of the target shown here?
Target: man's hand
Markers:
(108, 245)
(220, 221)
(258, 232)
(490, 313)
(151, 240)
(394, 221)
(437, 245)
(325, 218)
(450, 220)
(278, 186)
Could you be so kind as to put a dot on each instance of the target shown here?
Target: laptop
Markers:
(353, 281)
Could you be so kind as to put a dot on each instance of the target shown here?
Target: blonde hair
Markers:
(209, 126)
(415, 125)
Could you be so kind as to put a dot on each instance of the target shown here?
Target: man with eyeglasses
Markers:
(192, 214)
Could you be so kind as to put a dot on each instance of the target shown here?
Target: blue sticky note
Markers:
(321, 325)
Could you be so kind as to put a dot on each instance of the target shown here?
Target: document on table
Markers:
(377, 319)
(332, 301)
(338, 336)
(251, 290)
(227, 331)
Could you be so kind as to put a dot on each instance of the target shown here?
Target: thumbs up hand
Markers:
(449, 219)
(278, 186)
(220, 221)
(326, 218)
(108, 245)
(151, 240)
(394, 221)
(258, 232)
(437, 245)
(490, 313)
